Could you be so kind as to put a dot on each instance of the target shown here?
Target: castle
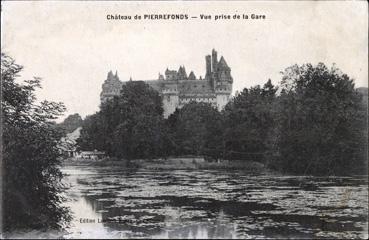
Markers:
(177, 89)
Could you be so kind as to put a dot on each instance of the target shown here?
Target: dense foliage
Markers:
(71, 123)
(249, 123)
(30, 173)
(322, 122)
(128, 126)
(314, 122)
(196, 129)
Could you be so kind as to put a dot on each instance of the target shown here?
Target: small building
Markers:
(94, 155)
(67, 144)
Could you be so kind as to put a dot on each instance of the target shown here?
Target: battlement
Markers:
(169, 91)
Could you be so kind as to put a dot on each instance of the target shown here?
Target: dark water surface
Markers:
(110, 202)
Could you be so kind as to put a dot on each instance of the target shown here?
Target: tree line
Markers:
(313, 122)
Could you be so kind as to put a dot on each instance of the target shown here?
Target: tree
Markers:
(71, 123)
(322, 122)
(249, 123)
(31, 177)
(92, 134)
(128, 126)
(196, 129)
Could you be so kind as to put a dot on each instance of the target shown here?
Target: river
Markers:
(109, 202)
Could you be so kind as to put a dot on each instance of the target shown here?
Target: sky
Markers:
(72, 45)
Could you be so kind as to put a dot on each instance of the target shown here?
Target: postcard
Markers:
(184, 119)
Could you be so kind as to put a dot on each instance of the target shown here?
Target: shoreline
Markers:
(187, 163)
(172, 163)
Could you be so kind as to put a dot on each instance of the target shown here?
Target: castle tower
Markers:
(182, 75)
(224, 72)
(224, 82)
(110, 76)
(111, 87)
(214, 56)
(170, 74)
(208, 67)
(161, 77)
(170, 99)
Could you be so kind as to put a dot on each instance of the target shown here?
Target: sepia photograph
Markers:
(184, 120)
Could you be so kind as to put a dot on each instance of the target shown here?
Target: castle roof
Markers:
(223, 64)
(182, 73)
(112, 77)
(192, 76)
(167, 71)
(161, 77)
(194, 87)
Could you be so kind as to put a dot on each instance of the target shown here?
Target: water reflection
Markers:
(214, 204)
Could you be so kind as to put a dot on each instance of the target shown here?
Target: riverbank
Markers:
(187, 163)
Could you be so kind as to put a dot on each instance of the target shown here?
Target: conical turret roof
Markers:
(112, 77)
(192, 76)
(223, 64)
(182, 73)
